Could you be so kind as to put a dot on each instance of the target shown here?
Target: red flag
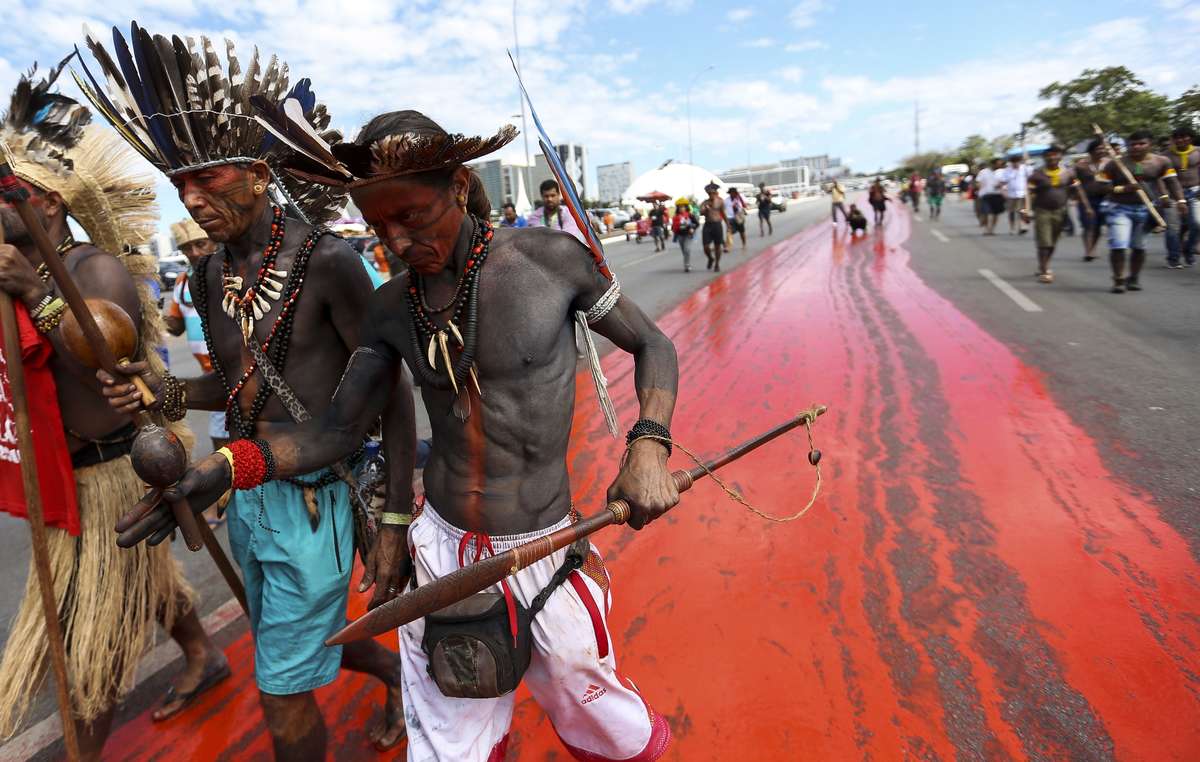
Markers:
(55, 477)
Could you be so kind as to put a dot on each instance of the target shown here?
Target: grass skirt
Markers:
(110, 601)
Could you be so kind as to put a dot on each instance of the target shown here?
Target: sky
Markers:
(788, 77)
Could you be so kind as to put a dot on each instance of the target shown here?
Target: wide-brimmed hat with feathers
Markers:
(52, 145)
(424, 147)
(178, 106)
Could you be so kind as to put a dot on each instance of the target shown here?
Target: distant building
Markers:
(612, 180)
(502, 182)
(820, 167)
(574, 158)
(789, 174)
(780, 176)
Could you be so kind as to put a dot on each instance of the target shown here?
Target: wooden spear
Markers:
(1129, 178)
(37, 523)
(484, 573)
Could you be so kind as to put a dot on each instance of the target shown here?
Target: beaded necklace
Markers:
(431, 341)
(68, 243)
(277, 342)
(253, 305)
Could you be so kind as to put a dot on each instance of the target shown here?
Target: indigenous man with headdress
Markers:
(485, 320)
(281, 304)
(108, 598)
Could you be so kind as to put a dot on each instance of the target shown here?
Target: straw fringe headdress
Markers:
(176, 105)
(52, 145)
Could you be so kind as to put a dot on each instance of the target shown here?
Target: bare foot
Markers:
(198, 676)
(389, 729)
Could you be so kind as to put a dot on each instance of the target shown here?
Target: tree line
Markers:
(1113, 97)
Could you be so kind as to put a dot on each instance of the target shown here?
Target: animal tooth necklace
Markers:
(268, 283)
(431, 343)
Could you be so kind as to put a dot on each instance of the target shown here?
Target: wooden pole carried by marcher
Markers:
(37, 522)
(486, 572)
(1130, 179)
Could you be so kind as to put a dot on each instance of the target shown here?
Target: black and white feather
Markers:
(181, 107)
(49, 124)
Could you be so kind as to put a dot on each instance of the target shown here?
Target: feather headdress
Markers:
(359, 163)
(52, 145)
(176, 104)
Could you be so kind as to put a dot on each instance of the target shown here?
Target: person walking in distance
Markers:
(935, 193)
(878, 199)
(837, 199)
(764, 211)
(1183, 238)
(1050, 187)
(1015, 179)
(735, 209)
(915, 185)
(1091, 214)
(713, 234)
(660, 220)
(684, 225)
(989, 184)
(551, 213)
(1126, 211)
(509, 217)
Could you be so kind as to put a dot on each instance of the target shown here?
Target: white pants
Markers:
(598, 715)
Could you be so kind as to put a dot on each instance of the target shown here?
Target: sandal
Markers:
(185, 699)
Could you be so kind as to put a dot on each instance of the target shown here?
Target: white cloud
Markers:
(806, 46)
(738, 15)
(803, 14)
(628, 6)
(760, 42)
(791, 74)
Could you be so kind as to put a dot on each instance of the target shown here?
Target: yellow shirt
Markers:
(838, 194)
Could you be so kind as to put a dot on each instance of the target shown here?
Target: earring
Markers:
(462, 200)
(259, 188)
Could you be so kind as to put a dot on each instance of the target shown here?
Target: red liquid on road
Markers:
(972, 583)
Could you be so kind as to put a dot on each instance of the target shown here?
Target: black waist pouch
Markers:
(470, 644)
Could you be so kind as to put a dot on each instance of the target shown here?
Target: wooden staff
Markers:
(484, 573)
(1129, 178)
(37, 522)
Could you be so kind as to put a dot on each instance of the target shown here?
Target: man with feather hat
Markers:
(281, 302)
(484, 318)
(109, 599)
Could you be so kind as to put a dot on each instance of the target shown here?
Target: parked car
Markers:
(170, 267)
(778, 202)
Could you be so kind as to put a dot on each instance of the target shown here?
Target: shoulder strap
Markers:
(576, 554)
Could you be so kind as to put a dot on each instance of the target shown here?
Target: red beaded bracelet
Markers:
(249, 466)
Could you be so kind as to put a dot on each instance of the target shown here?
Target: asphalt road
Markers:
(1125, 366)
(656, 281)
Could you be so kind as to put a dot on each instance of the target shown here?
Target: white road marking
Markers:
(639, 260)
(1024, 302)
(49, 730)
(939, 235)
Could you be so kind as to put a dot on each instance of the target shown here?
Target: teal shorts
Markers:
(297, 580)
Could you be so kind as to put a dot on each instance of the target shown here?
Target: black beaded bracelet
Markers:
(648, 428)
(174, 398)
(268, 458)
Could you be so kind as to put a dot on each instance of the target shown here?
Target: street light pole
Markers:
(524, 128)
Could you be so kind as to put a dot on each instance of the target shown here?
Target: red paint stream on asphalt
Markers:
(972, 583)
